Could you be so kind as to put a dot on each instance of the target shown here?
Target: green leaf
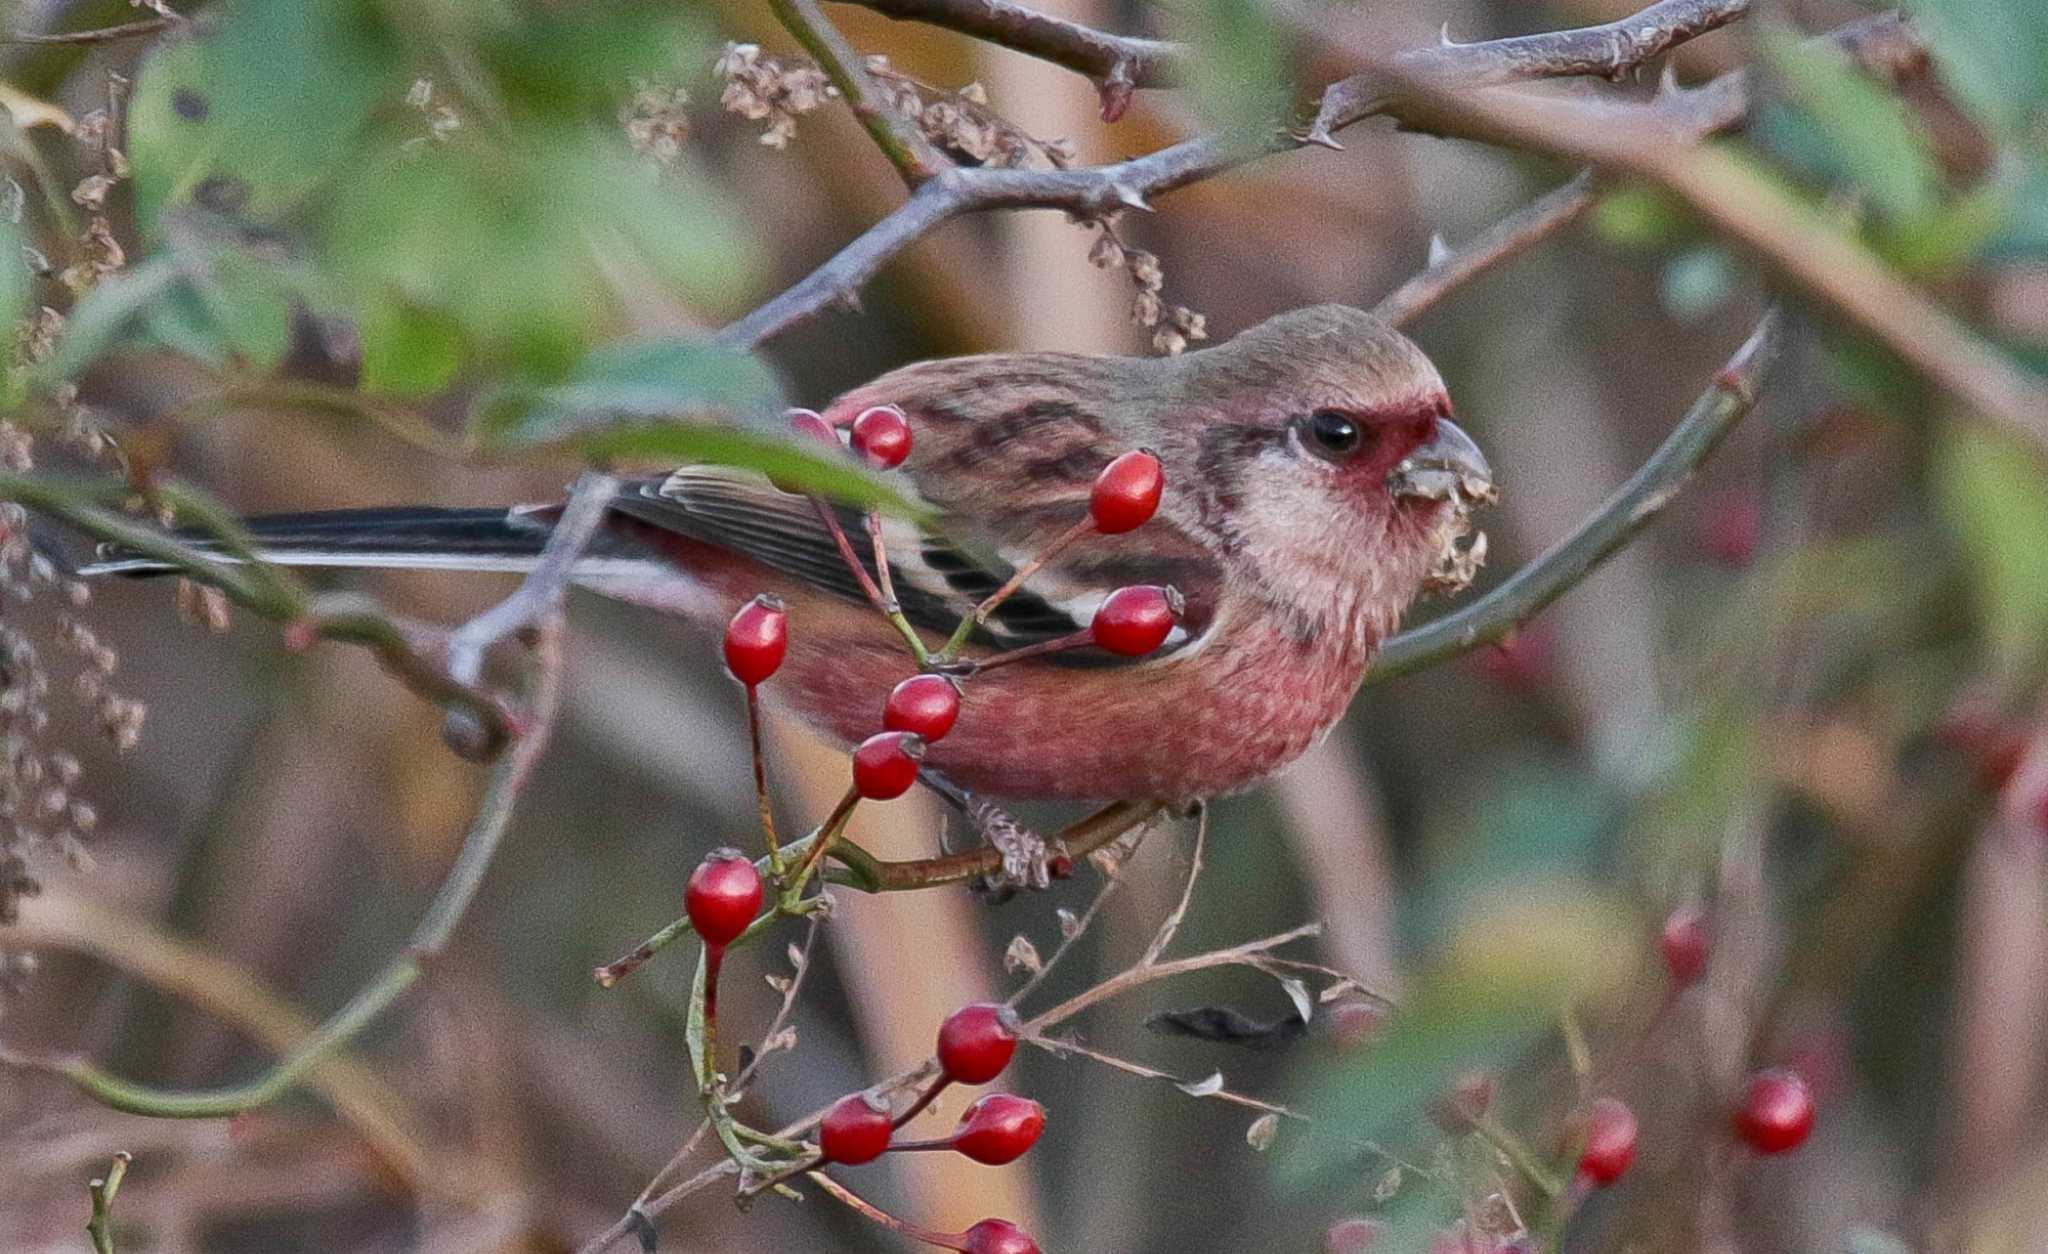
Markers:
(801, 466)
(409, 351)
(633, 379)
(1874, 138)
(524, 250)
(1992, 493)
(111, 310)
(243, 119)
(14, 276)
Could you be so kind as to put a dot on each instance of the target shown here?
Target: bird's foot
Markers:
(1028, 860)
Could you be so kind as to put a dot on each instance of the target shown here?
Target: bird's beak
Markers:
(1449, 467)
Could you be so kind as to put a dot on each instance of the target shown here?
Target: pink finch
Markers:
(1311, 473)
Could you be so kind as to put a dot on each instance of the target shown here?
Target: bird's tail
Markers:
(394, 539)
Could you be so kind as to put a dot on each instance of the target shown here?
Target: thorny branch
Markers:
(1094, 191)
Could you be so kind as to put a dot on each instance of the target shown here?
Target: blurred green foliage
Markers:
(451, 185)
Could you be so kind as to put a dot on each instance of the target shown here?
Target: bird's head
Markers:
(1326, 462)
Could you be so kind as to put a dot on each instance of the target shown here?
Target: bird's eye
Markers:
(1332, 435)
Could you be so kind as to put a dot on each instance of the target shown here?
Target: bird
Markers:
(1312, 474)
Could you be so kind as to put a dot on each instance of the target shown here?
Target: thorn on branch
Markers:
(1116, 90)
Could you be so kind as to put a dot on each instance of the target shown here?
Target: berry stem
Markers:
(714, 961)
(885, 606)
(828, 833)
(975, 666)
(608, 975)
(924, 1099)
(761, 781)
(701, 1035)
(980, 615)
(871, 1211)
(1519, 1154)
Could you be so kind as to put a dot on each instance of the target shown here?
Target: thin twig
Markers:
(409, 652)
(1170, 925)
(101, 1226)
(1060, 1047)
(1068, 939)
(540, 594)
(458, 889)
(103, 35)
(1505, 239)
(651, 1205)
(1124, 981)
(899, 137)
(1645, 495)
(1099, 55)
(1747, 205)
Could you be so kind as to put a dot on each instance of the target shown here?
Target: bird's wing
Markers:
(977, 544)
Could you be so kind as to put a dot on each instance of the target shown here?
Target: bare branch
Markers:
(1503, 240)
(103, 35)
(1661, 143)
(1095, 191)
(1116, 63)
(1061, 1047)
(1629, 510)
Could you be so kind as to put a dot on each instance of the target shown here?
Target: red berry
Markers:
(885, 765)
(1685, 943)
(997, 1236)
(882, 437)
(723, 896)
(1352, 1022)
(1126, 493)
(757, 639)
(1731, 528)
(1464, 1103)
(1136, 620)
(1352, 1236)
(999, 1128)
(1524, 660)
(1979, 730)
(808, 426)
(925, 704)
(1776, 1113)
(976, 1042)
(856, 1130)
(1610, 1142)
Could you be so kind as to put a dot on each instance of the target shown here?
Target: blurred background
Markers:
(1791, 703)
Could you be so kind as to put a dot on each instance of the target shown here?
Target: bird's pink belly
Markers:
(1152, 732)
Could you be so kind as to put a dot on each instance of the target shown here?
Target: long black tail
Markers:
(415, 538)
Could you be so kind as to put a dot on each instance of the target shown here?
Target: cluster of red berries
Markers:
(975, 1045)
(920, 711)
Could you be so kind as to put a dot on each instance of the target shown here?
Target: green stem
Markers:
(494, 815)
(101, 1226)
(1516, 1152)
(1526, 592)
